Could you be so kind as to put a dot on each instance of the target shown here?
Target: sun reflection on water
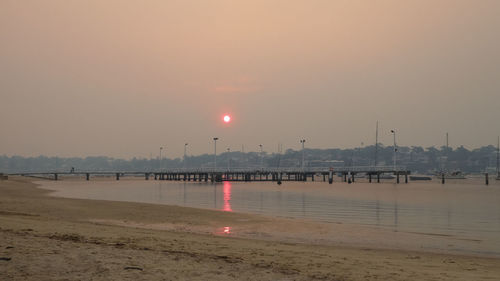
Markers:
(227, 196)
(226, 230)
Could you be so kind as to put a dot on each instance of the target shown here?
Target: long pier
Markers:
(348, 174)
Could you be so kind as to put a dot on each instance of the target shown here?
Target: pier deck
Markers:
(348, 174)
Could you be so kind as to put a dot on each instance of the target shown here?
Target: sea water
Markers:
(464, 208)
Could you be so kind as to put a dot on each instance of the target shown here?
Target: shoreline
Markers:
(170, 239)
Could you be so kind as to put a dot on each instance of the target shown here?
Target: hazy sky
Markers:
(122, 78)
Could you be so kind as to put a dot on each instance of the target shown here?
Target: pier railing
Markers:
(352, 169)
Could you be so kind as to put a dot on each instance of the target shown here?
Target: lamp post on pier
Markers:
(303, 141)
(185, 149)
(395, 148)
(161, 148)
(261, 157)
(228, 158)
(215, 154)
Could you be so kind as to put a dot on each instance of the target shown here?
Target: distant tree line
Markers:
(414, 158)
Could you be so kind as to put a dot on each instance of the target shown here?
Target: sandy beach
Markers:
(50, 238)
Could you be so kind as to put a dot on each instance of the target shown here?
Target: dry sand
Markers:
(49, 238)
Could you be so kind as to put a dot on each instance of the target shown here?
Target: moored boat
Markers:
(382, 176)
(420, 178)
(455, 175)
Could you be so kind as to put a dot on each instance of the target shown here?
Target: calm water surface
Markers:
(469, 209)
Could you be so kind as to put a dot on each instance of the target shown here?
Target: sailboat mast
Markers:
(376, 144)
(280, 148)
(498, 156)
(446, 153)
(446, 141)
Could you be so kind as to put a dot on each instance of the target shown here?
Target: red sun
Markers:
(226, 118)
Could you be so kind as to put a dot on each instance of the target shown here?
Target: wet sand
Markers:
(49, 238)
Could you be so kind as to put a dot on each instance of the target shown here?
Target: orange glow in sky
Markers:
(276, 64)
